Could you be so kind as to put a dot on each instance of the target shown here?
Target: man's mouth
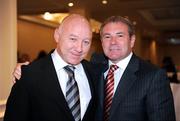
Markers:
(114, 49)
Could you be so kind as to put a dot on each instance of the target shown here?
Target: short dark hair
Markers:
(116, 19)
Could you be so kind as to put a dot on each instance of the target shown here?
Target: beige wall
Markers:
(34, 37)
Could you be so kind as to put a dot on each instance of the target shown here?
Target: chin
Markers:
(74, 62)
(113, 56)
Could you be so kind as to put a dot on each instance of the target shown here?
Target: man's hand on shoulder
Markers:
(17, 71)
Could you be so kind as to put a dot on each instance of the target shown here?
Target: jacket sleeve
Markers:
(160, 104)
(17, 107)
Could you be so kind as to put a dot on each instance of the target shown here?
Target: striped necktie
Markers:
(72, 93)
(109, 91)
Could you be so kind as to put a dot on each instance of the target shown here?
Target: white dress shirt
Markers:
(80, 77)
(119, 72)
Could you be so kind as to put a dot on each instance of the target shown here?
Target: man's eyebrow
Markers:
(119, 33)
(72, 35)
(106, 34)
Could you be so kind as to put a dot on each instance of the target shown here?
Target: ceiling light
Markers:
(70, 4)
(47, 16)
(174, 40)
(134, 22)
(104, 1)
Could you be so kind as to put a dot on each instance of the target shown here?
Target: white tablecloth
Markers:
(176, 94)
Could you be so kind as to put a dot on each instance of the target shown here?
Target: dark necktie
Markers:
(72, 93)
(109, 90)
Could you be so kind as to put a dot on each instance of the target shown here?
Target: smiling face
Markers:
(116, 41)
(73, 39)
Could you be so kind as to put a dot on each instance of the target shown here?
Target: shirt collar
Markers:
(122, 64)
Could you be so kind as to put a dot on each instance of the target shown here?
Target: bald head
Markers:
(73, 38)
(73, 20)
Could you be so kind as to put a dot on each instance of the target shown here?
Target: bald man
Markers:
(41, 93)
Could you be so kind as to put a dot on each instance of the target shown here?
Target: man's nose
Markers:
(79, 46)
(113, 40)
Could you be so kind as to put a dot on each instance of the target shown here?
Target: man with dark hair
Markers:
(130, 89)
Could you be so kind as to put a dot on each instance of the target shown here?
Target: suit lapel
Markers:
(101, 86)
(53, 85)
(126, 82)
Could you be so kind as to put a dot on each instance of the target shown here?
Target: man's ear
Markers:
(133, 39)
(56, 35)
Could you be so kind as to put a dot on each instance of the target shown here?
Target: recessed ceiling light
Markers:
(70, 4)
(47, 16)
(174, 40)
(104, 1)
(134, 22)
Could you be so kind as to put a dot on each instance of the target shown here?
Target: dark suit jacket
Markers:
(143, 94)
(38, 95)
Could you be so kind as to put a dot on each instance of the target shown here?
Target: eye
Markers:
(106, 37)
(73, 39)
(86, 42)
(120, 35)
